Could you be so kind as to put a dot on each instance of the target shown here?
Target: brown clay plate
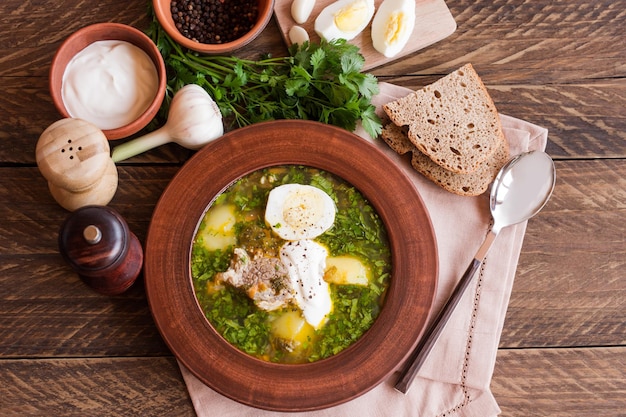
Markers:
(285, 387)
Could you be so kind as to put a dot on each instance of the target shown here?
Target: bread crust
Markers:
(452, 121)
(471, 184)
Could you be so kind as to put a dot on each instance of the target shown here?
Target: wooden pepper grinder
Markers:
(98, 245)
(74, 156)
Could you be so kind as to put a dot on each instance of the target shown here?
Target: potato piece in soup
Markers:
(219, 228)
(345, 270)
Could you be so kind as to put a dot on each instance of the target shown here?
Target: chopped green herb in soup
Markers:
(290, 264)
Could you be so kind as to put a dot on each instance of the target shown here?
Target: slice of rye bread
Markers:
(472, 184)
(453, 120)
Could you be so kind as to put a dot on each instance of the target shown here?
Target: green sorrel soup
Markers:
(291, 264)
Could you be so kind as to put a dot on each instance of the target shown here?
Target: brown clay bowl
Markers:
(284, 387)
(162, 10)
(84, 37)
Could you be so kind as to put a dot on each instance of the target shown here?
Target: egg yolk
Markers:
(303, 209)
(395, 26)
(349, 18)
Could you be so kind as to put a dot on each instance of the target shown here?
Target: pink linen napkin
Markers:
(455, 379)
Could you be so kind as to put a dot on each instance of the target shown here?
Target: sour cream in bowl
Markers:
(111, 75)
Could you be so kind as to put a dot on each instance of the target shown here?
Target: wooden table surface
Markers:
(64, 350)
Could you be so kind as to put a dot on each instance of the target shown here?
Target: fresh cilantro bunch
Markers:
(320, 82)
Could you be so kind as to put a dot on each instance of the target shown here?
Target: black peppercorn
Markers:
(214, 21)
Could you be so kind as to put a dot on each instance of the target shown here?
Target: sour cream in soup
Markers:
(109, 83)
(305, 261)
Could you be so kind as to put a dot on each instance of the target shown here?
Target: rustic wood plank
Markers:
(561, 382)
(526, 383)
(67, 351)
(524, 41)
(562, 278)
(569, 288)
(31, 217)
(29, 37)
(528, 54)
(583, 120)
(47, 311)
(528, 42)
(28, 41)
(433, 22)
(94, 387)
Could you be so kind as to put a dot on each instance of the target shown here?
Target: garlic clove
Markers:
(298, 35)
(301, 10)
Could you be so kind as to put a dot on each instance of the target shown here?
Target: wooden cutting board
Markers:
(433, 22)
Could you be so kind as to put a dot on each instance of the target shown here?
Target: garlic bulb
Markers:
(194, 120)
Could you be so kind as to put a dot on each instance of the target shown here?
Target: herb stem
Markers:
(320, 82)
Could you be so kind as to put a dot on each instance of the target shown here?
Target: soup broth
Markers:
(233, 235)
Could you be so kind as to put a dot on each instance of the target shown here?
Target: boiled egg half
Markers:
(344, 19)
(392, 26)
(296, 211)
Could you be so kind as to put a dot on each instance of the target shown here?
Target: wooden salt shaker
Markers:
(74, 156)
(98, 245)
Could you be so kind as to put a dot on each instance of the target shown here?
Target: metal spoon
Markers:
(520, 190)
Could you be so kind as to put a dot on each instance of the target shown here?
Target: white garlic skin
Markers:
(194, 118)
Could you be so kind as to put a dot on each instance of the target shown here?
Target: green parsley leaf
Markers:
(317, 81)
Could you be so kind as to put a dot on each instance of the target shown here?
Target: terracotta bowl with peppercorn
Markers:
(213, 26)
